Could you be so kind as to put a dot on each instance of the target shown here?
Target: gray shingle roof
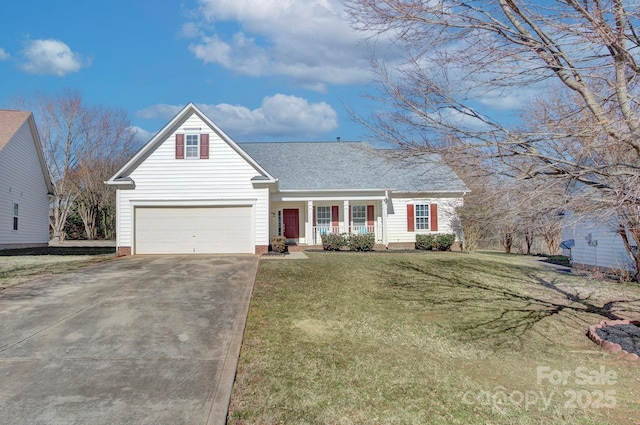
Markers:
(10, 122)
(352, 165)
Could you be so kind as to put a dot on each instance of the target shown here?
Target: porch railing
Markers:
(318, 231)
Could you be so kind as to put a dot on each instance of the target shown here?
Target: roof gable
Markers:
(122, 175)
(301, 166)
(11, 122)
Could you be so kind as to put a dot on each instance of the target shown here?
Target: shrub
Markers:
(443, 242)
(278, 243)
(333, 241)
(440, 241)
(424, 241)
(362, 242)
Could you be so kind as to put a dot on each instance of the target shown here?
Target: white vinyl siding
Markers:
(397, 217)
(596, 243)
(22, 182)
(161, 178)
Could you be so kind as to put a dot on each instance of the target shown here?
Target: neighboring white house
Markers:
(191, 189)
(593, 242)
(25, 184)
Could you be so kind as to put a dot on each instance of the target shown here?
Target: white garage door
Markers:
(194, 230)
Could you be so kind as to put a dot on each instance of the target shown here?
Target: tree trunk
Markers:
(528, 238)
(633, 253)
(507, 242)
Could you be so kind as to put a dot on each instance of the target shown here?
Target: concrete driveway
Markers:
(137, 340)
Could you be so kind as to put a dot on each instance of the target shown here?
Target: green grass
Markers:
(20, 268)
(415, 339)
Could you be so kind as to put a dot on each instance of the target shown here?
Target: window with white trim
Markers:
(359, 215)
(192, 145)
(422, 217)
(323, 216)
(15, 216)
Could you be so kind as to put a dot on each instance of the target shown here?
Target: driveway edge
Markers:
(222, 394)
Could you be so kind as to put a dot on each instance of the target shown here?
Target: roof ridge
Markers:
(342, 142)
(14, 110)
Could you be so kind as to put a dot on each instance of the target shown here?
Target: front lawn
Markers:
(436, 337)
(19, 266)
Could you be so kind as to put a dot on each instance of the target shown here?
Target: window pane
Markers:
(15, 210)
(323, 216)
(422, 217)
(192, 145)
(15, 223)
(359, 215)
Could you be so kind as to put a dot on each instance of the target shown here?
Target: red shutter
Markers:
(411, 219)
(335, 216)
(433, 217)
(315, 219)
(204, 146)
(370, 218)
(179, 146)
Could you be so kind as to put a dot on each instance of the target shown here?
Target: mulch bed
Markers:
(618, 336)
(627, 335)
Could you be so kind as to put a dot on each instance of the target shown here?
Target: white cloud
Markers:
(515, 99)
(51, 57)
(460, 120)
(142, 136)
(310, 41)
(161, 110)
(278, 116)
(4, 55)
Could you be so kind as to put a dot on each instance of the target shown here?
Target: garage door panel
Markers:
(199, 230)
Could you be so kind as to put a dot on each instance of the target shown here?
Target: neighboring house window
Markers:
(192, 145)
(15, 216)
(323, 216)
(358, 216)
(422, 217)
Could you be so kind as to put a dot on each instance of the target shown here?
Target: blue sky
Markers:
(263, 70)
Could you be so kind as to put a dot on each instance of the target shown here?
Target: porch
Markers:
(303, 223)
(318, 231)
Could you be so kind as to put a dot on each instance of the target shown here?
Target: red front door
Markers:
(291, 224)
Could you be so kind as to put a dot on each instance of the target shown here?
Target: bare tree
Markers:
(77, 140)
(109, 144)
(461, 53)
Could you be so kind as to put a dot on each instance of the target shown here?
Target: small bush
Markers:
(440, 241)
(363, 242)
(424, 241)
(278, 243)
(443, 242)
(333, 241)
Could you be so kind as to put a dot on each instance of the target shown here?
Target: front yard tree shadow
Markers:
(505, 304)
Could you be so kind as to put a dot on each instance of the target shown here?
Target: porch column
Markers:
(309, 232)
(346, 217)
(385, 207)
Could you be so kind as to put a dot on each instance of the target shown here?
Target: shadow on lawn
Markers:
(59, 250)
(505, 314)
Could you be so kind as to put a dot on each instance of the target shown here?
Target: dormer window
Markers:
(193, 145)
